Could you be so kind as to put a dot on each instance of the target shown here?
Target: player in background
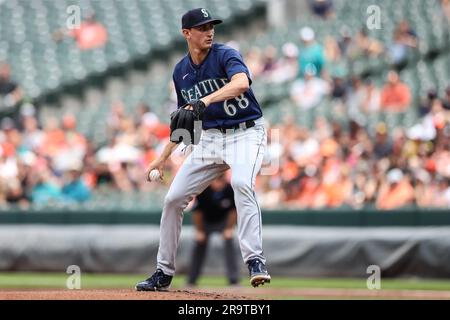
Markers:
(233, 137)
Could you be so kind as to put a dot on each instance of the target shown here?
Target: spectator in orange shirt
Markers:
(313, 192)
(396, 95)
(90, 34)
(72, 136)
(396, 193)
(54, 138)
(339, 190)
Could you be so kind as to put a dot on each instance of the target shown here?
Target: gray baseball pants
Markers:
(240, 150)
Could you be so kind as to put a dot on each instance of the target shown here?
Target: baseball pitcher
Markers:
(213, 88)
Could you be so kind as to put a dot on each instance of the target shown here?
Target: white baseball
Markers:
(154, 175)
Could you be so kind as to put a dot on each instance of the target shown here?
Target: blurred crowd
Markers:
(332, 165)
(335, 165)
(52, 162)
(318, 71)
(88, 35)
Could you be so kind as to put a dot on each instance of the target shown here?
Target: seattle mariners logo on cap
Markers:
(197, 17)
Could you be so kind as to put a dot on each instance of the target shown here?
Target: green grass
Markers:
(21, 280)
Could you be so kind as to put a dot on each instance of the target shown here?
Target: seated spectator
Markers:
(45, 189)
(115, 160)
(10, 141)
(254, 61)
(396, 192)
(9, 176)
(322, 8)
(128, 134)
(382, 144)
(304, 147)
(323, 129)
(269, 59)
(287, 67)
(442, 195)
(114, 118)
(365, 188)
(405, 39)
(363, 96)
(16, 192)
(438, 115)
(32, 135)
(427, 103)
(332, 50)
(310, 91)
(339, 88)
(54, 138)
(73, 148)
(10, 92)
(407, 35)
(367, 46)
(312, 56)
(145, 116)
(345, 42)
(424, 190)
(441, 159)
(338, 187)
(89, 35)
(74, 188)
(395, 96)
(149, 126)
(314, 191)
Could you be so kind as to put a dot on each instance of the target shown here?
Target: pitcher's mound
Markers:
(122, 294)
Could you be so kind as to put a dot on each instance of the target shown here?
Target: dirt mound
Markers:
(125, 294)
(219, 294)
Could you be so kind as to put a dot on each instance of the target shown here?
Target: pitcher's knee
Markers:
(175, 200)
(240, 184)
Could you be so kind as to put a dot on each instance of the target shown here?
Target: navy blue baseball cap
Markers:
(197, 17)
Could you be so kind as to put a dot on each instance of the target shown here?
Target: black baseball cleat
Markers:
(157, 282)
(258, 272)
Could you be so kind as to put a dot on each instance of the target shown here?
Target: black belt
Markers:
(243, 125)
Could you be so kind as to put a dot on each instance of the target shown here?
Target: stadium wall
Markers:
(354, 218)
(291, 251)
